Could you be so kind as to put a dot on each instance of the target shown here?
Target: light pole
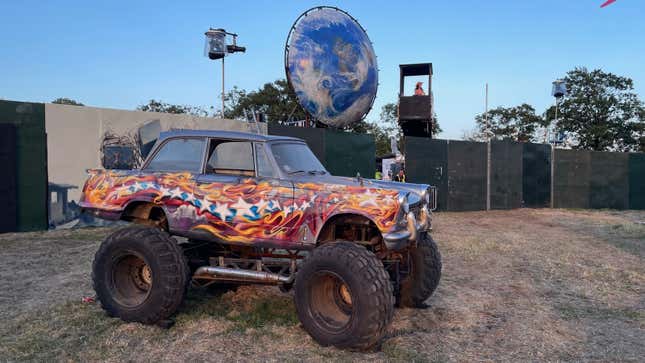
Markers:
(558, 91)
(215, 47)
(488, 151)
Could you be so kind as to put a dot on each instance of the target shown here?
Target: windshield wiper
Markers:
(314, 172)
(296, 172)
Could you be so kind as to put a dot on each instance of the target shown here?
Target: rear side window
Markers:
(230, 157)
(179, 155)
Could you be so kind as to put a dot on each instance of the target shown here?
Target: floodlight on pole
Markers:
(558, 91)
(215, 47)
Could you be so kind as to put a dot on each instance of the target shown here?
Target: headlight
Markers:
(425, 197)
(403, 204)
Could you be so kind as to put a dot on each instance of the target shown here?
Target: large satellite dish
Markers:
(331, 66)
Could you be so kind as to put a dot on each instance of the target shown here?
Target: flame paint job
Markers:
(247, 210)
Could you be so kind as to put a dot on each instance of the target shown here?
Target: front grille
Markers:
(432, 192)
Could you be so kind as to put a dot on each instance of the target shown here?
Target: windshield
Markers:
(296, 158)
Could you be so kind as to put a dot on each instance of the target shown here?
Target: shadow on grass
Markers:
(258, 313)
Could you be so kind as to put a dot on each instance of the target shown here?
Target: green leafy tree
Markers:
(601, 112)
(382, 129)
(67, 101)
(517, 123)
(276, 100)
(160, 106)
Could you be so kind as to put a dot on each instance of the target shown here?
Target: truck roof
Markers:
(236, 135)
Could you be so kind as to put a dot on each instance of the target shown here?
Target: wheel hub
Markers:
(344, 293)
(131, 279)
(146, 274)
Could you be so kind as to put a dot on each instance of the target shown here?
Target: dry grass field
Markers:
(520, 285)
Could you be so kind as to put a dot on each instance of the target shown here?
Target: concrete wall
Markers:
(75, 134)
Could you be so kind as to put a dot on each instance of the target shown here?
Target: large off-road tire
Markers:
(343, 296)
(140, 274)
(425, 265)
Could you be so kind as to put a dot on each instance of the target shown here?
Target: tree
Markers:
(517, 123)
(276, 100)
(67, 101)
(159, 106)
(382, 129)
(601, 112)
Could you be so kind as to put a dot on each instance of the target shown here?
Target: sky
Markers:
(120, 54)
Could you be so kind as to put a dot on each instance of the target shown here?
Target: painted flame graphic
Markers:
(240, 212)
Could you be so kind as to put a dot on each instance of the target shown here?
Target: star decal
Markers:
(205, 205)
(368, 201)
(222, 211)
(243, 208)
(165, 192)
(305, 205)
(176, 193)
(260, 207)
(188, 197)
(273, 206)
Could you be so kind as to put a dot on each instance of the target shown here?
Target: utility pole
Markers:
(223, 97)
(559, 90)
(488, 151)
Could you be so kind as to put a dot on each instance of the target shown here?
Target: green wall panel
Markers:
(506, 175)
(342, 153)
(637, 181)
(314, 137)
(609, 183)
(572, 178)
(31, 163)
(347, 153)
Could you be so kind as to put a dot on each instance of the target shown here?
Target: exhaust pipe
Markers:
(247, 275)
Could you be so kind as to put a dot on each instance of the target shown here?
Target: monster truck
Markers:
(262, 209)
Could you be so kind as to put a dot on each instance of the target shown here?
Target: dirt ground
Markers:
(520, 285)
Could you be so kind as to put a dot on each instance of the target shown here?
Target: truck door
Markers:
(234, 204)
(281, 219)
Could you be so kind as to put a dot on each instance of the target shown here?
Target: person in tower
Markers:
(418, 89)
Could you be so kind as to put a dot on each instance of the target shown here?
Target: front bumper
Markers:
(409, 232)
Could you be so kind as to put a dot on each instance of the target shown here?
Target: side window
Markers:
(230, 157)
(264, 166)
(179, 155)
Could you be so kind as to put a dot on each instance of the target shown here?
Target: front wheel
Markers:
(343, 296)
(425, 265)
(140, 274)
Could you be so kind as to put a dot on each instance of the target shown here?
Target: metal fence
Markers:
(521, 175)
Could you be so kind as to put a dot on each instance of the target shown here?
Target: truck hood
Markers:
(412, 190)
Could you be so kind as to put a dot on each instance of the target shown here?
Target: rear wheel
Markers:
(344, 296)
(139, 274)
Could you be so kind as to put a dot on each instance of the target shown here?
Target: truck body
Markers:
(269, 206)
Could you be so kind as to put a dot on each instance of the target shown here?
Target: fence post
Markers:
(488, 167)
(552, 175)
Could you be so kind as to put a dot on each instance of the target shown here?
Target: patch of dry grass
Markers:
(522, 285)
